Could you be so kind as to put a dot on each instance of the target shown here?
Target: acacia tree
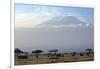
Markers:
(89, 51)
(18, 51)
(37, 52)
(53, 52)
(74, 53)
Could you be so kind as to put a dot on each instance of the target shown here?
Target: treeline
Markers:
(51, 53)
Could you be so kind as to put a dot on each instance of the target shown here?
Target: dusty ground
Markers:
(44, 59)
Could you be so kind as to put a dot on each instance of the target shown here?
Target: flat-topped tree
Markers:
(89, 51)
(53, 52)
(18, 51)
(21, 54)
(74, 53)
(37, 52)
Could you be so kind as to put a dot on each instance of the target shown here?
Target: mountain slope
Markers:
(65, 20)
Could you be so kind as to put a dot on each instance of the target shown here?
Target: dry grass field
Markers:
(44, 59)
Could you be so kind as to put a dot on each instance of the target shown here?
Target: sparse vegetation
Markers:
(54, 57)
(37, 52)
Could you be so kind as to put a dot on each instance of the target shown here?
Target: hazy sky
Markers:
(30, 35)
(25, 14)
